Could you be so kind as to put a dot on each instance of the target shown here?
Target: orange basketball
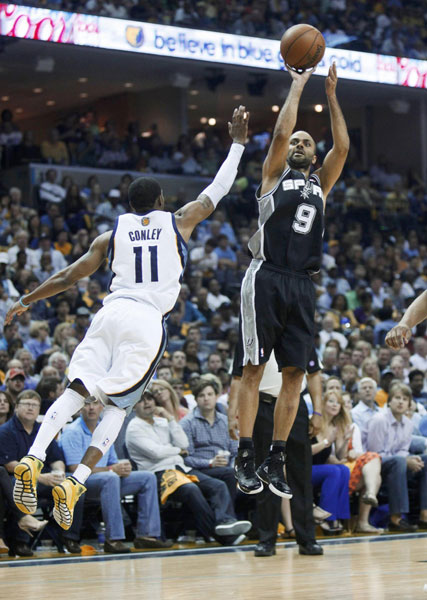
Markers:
(302, 47)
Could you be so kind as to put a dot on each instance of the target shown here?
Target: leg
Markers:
(106, 488)
(144, 484)
(394, 474)
(248, 398)
(287, 402)
(423, 490)
(334, 489)
(225, 474)
(268, 504)
(298, 470)
(192, 498)
(216, 493)
(372, 476)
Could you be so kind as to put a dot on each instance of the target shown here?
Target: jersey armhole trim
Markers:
(180, 243)
(285, 172)
(111, 244)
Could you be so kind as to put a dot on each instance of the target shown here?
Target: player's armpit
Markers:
(193, 213)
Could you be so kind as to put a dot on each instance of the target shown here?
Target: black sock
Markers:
(246, 443)
(277, 446)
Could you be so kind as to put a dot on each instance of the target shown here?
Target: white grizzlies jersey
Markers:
(147, 257)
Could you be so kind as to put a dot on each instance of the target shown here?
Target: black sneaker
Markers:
(271, 473)
(244, 472)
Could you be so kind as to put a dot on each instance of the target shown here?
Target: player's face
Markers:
(302, 150)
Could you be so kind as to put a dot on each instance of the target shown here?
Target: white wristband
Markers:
(226, 175)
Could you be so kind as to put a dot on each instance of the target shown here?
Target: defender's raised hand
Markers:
(331, 80)
(238, 128)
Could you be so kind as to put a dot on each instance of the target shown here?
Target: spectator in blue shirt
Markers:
(39, 340)
(210, 449)
(16, 438)
(110, 481)
(226, 257)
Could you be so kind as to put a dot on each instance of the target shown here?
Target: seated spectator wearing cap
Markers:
(16, 437)
(6, 283)
(157, 443)
(210, 449)
(50, 190)
(81, 323)
(366, 408)
(39, 340)
(14, 382)
(45, 246)
(110, 481)
(390, 435)
(107, 212)
(417, 383)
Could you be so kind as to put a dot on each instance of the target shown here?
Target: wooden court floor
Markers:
(377, 570)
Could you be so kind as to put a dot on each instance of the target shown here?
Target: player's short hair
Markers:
(143, 193)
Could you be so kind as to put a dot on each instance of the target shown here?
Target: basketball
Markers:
(302, 47)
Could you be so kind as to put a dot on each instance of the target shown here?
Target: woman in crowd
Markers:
(190, 348)
(6, 407)
(340, 313)
(166, 397)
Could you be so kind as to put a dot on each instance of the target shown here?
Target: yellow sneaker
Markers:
(25, 490)
(65, 497)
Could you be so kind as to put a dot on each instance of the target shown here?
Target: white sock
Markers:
(108, 429)
(54, 420)
(82, 473)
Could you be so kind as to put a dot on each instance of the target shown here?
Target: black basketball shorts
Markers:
(277, 312)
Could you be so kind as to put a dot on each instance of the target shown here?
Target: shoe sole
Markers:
(250, 492)
(61, 513)
(24, 494)
(238, 528)
(265, 555)
(273, 489)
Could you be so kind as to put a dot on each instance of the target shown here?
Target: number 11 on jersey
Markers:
(138, 263)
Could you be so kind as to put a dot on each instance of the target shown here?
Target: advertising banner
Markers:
(220, 48)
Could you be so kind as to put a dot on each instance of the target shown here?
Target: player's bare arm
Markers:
(415, 314)
(275, 162)
(193, 213)
(64, 279)
(334, 161)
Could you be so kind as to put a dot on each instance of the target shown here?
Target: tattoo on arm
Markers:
(206, 202)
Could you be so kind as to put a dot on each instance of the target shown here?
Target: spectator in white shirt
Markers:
(205, 257)
(215, 298)
(21, 243)
(57, 258)
(50, 191)
(378, 293)
(327, 333)
(7, 284)
(108, 211)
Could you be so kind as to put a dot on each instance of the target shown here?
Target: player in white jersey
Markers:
(115, 361)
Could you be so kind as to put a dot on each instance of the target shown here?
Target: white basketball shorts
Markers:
(120, 351)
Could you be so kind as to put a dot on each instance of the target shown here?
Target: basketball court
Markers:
(387, 567)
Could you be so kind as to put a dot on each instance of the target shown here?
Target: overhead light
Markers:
(128, 84)
(212, 121)
(275, 108)
(318, 108)
(237, 97)
(37, 90)
(50, 103)
(194, 92)
(192, 106)
(5, 98)
(203, 120)
(83, 95)
(19, 110)
(82, 79)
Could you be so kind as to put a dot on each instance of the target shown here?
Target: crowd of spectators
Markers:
(392, 27)
(374, 265)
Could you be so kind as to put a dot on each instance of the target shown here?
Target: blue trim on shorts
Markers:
(131, 396)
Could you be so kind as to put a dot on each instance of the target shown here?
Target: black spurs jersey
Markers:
(290, 233)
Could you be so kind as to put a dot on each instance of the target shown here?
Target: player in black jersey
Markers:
(277, 296)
